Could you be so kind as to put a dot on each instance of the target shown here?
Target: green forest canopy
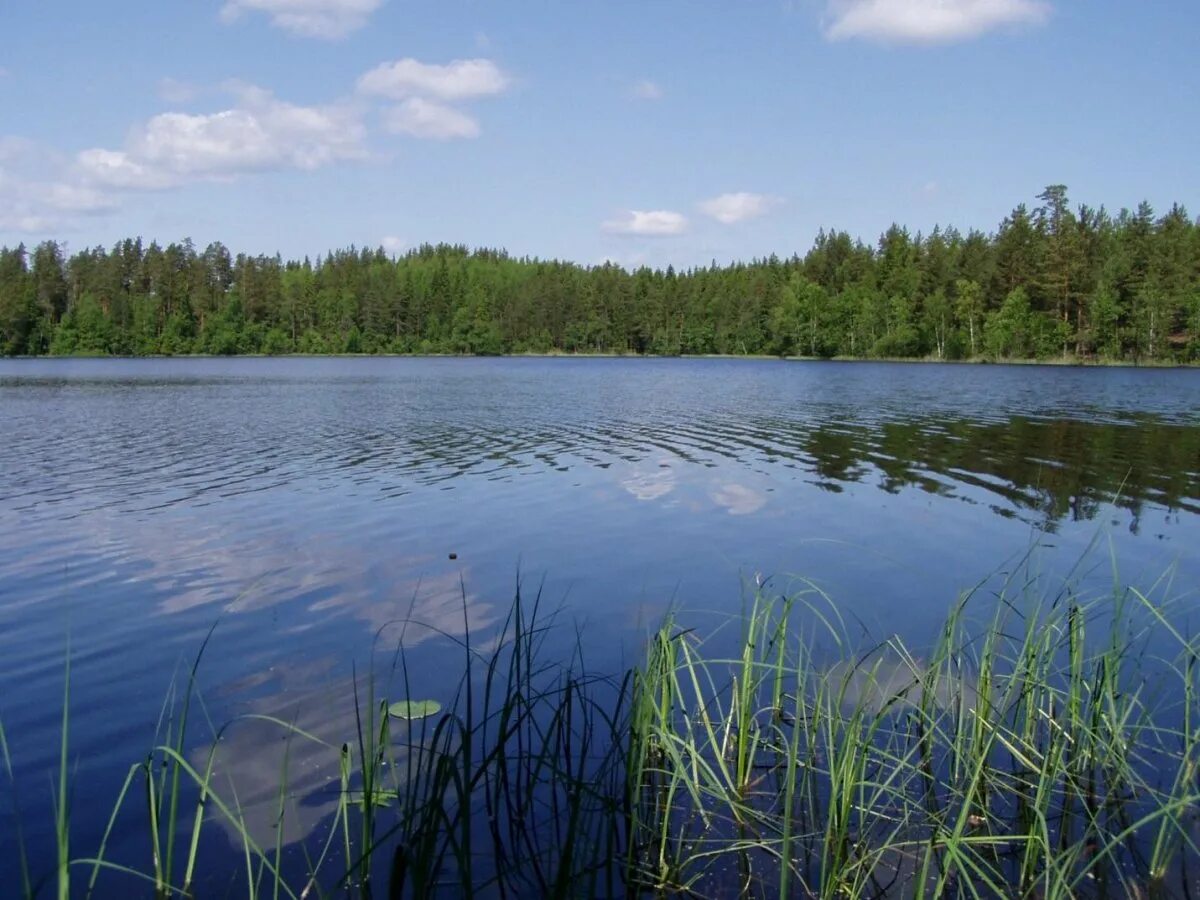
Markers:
(1050, 282)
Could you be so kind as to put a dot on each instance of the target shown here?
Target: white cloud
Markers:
(463, 79)
(21, 222)
(67, 197)
(259, 133)
(648, 223)
(36, 193)
(393, 244)
(174, 91)
(729, 209)
(928, 21)
(45, 207)
(43, 191)
(426, 119)
(15, 150)
(426, 90)
(329, 19)
(647, 90)
(16, 212)
(119, 169)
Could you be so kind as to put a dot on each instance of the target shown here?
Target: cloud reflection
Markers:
(738, 499)
(644, 484)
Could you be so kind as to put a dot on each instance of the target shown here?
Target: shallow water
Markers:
(304, 505)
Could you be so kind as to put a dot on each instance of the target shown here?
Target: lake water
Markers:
(307, 505)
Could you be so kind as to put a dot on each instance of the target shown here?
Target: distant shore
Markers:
(1058, 362)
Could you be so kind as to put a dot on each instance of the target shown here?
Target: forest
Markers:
(1051, 282)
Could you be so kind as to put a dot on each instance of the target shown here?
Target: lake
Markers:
(307, 506)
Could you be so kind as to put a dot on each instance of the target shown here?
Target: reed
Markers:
(1025, 755)
(1045, 744)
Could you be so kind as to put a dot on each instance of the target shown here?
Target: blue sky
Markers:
(661, 131)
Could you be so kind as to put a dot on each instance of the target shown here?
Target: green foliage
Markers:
(85, 330)
(276, 342)
(475, 330)
(938, 320)
(1008, 331)
(1050, 335)
(1193, 324)
(1106, 321)
(1093, 285)
(799, 321)
(969, 310)
(902, 341)
(312, 342)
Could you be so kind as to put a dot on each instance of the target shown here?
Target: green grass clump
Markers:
(1040, 753)
(1040, 747)
(510, 785)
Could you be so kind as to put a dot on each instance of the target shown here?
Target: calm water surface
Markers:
(305, 505)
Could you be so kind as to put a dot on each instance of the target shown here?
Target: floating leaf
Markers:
(414, 709)
(378, 798)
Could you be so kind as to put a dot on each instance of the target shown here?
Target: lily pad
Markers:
(379, 798)
(414, 709)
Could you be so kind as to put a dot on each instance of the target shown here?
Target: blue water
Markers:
(305, 506)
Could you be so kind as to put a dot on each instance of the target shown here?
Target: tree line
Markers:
(1051, 281)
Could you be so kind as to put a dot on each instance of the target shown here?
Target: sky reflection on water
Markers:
(306, 504)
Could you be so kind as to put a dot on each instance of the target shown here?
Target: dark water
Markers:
(306, 505)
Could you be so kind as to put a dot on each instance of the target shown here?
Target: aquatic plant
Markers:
(1023, 756)
(1046, 744)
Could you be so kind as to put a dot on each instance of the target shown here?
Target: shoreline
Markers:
(1054, 362)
